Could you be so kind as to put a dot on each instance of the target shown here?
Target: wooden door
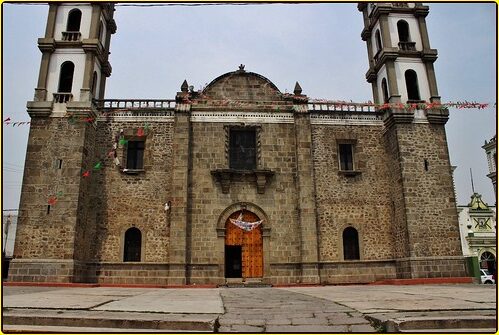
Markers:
(251, 243)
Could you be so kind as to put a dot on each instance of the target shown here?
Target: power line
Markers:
(196, 4)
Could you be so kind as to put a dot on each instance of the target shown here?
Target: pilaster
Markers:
(179, 215)
(385, 31)
(392, 82)
(50, 27)
(306, 198)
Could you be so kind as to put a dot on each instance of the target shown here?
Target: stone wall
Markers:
(362, 201)
(355, 272)
(430, 205)
(55, 152)
(277, 153)
(124, 200)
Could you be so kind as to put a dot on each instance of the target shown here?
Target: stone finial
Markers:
(184, 86)
(241, 68)
(297, 90)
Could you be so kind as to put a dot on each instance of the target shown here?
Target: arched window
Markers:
(94, 85)
(378, 40)
(133, 244)
(74, 20)
(384, 88)
(411, 82)
(403, 30)
(66, 77)
(351, 244)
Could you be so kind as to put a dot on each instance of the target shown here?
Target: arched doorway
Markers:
(488, 261)
(243, 249)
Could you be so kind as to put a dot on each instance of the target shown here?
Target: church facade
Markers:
(238, 180)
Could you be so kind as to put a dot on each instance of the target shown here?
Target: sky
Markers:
(318, 45)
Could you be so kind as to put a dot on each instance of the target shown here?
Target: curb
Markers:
(425, 281)
(48, 284)
(100, 319)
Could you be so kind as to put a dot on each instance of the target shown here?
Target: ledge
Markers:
(226, 176)
(349, 173)
(133, 171)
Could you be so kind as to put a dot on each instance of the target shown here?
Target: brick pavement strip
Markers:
(270, 310)
(307, 329)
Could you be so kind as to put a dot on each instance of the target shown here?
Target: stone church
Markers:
(237, 181)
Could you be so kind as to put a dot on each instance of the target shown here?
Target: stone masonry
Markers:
(399, 196)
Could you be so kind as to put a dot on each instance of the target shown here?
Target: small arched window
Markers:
(403, 30)
(351, 244)
(74, 20)
(133, 244)
(94, 85)
(377, 35)
(66, 77)
(411, 82)
(384, 88)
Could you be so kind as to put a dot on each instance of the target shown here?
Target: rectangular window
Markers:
(346, 156)
(242, 153)
(135, 155)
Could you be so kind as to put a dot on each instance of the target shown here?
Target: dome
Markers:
(242, 85)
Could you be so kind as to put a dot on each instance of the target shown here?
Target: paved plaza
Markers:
(332, 309)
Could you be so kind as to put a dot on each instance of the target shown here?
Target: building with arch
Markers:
(478, 225)
(237, 180)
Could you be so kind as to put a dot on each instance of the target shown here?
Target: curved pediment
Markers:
(242, 85)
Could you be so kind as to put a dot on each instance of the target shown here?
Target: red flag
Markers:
(140, 132)
(86, 174)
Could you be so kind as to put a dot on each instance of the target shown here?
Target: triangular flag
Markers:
(98, 166)
(59, 194)
(123, 141)
(110, 153)
(86, 174)
(140, 132)
(52, 200)
(116, 161)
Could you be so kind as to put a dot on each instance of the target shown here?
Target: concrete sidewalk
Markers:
(356, 308)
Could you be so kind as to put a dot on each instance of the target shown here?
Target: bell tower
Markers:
(75, 52)
(425, 227)
(56, 224)
(400, 57)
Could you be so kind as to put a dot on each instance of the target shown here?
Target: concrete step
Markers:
(109, 319)
(247, 282)
(435, 321)
(453, 331)
(23, 329)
